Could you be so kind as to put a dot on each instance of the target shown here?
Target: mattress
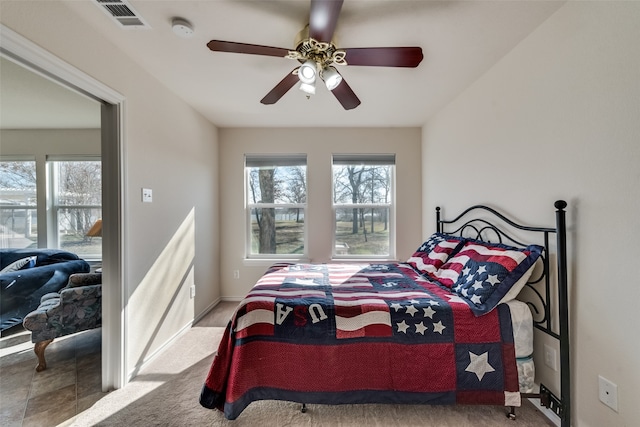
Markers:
(522, 322)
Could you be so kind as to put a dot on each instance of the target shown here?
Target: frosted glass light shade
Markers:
(331, 78)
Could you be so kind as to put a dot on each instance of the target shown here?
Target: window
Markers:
(18, 204)
(68, 205)
(276, 203)
(76, 195)
(363, 205)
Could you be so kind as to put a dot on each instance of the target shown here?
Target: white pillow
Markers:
(517, 287)
(17, 265)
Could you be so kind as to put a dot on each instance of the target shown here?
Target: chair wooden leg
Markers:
(39, 351)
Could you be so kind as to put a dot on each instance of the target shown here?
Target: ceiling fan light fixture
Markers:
(308, 88)
(307, 72)
(331, 78)
(315, 53)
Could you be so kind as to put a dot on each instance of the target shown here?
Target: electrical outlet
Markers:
(550, 357)
(192, 291)
(147, 195)
(236, 274)
(608, 393)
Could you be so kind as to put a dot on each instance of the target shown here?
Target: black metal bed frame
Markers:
(480, 228)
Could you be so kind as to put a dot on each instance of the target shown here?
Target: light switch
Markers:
(147, 195)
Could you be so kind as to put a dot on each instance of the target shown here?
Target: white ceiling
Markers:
(460, 40)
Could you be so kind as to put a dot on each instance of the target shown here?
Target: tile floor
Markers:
(70, 384)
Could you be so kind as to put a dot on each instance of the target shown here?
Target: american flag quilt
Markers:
(360, 333)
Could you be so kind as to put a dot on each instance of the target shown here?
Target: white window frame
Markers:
(53, 208)
(254, 160)
(361, 160)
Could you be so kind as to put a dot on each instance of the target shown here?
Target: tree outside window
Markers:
(276, 205)
(74, 197)
(18, 204)
(363, 205)
(77, 205)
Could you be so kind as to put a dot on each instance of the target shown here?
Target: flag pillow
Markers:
(433, 253)
(483, 273)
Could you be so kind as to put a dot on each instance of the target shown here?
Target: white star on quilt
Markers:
(420, 328)
(481, 269)
(455, 299)
(432, 302)
(476, 299)
(469, 278)
(477, 284)
(411, 310)
(389, 284)
(438, 327)
(305, 282)
(402, 326)
(429, 312)
(396, 306)
(479, 364)
(493, 279)
(466, 271)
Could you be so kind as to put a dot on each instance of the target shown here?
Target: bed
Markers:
(443, 327)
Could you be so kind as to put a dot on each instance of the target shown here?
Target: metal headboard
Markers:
(470, 224)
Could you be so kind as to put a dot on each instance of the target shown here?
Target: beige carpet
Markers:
(166, 394)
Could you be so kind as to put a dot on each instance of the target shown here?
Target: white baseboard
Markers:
(207, 310)
(232, 299)
(546, 411)
(136, 369)
(171, 340)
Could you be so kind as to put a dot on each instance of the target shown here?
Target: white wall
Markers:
(558, 117)
(168, 147)
(319, 145)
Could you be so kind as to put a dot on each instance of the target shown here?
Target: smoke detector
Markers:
(182, 27)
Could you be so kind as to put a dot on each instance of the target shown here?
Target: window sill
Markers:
(363, 260)
(267, 262)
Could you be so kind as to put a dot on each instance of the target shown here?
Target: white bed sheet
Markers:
(522, 322)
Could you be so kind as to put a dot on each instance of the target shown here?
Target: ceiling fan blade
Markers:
(384, 56)
(346, 96)
(280, 89)
(254, 49)
(323, 18)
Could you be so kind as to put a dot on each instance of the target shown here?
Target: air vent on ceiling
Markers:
(123, 13)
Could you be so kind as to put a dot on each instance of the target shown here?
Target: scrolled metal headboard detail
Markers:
(482, 229)
(473, 223)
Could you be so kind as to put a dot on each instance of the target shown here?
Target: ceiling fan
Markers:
(317, 53)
